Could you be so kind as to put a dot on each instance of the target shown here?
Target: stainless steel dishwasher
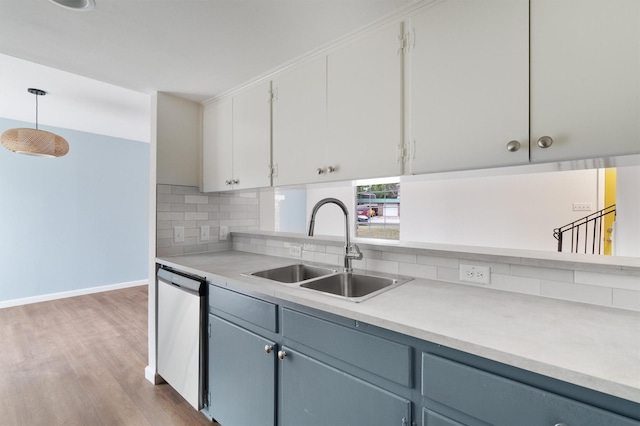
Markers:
(182, 333)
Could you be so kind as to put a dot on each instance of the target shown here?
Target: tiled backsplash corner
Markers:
(186, 206)
(618, 288)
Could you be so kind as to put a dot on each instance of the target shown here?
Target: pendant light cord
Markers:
(36, 112)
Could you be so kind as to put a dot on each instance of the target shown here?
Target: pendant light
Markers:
(33, 141)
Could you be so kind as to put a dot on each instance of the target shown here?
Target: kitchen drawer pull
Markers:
(268, 348)
(281, 355)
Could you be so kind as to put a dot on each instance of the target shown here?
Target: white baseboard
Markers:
(72, 293)
(152, 376)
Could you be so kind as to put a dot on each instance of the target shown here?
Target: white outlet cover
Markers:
(475, 274)
(178, 234)
(204, 233)
(224, 233)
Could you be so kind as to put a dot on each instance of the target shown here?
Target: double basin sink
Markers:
(354, 286)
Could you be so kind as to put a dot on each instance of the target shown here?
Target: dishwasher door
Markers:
(181, 342)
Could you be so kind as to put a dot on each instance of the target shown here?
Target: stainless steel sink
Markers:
(293, 273)
(354, 286)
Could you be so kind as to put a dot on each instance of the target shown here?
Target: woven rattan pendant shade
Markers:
(34, 141)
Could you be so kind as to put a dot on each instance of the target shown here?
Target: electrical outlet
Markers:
(204, 233)
(475, 274)
(224, 233)
(581, 207)
(295, 251)
(178, 234)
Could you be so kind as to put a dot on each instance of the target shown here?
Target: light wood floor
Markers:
(80, 361)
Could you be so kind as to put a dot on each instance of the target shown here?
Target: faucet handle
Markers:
(355, 253)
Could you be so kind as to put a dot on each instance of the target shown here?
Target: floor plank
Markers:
(80, 361)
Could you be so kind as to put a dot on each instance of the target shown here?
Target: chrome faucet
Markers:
(351, 251)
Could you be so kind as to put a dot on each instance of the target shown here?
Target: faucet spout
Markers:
(351, 251)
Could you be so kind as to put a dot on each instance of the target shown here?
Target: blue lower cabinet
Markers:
(431, 418)
(242, 376)
(315, 394)
(483, 398)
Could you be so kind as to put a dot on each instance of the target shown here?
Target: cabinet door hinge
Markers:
(273, 94)
(209, 330)
(273, 171)
(402, 152)
(404, 41)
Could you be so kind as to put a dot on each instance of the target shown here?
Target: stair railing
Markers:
(581, 228)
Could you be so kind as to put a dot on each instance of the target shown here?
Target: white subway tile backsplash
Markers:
(176, 207)
(186, 206)
(170, 198)
(163, 207)
(164, 189)
(399, 257)
(447, 262)
(416, 270)
(565, 275)
(196, 216)
(627, 282)
(196, 199)
(515, 284)
(378, 265)
(448, 274)
(329, 259)
(626, 299)
(178, 189)
(170, 216)
(577, 292)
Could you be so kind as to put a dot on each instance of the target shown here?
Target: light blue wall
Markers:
(73, 222)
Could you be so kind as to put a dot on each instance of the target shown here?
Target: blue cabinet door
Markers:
(242, 379)
(315, 394)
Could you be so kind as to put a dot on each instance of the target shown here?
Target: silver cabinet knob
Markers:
(545, 142)
(235, 181)
(513, 146)
(331, 169)
(319, 170)
(268, 348)
(227, 182)
(281, 355)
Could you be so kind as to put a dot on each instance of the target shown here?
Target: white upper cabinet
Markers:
(364, 107)
(252, 137)
(217, 146)
(236, 141)
(585, 78)
(300, 123)
(468, 85)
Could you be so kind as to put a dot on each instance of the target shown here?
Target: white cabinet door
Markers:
(585, 78)
(217, 146)
(364, 105)
(300, 123)
(252, 137)
(469, 80)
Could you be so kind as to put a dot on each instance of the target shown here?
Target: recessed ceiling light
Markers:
(82, 5)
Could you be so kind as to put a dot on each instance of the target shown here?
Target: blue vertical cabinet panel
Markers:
(242, 376)
(315, 394)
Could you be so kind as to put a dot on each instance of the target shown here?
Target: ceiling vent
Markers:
(82, 5)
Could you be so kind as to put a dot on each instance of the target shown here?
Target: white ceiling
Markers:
(195, 49)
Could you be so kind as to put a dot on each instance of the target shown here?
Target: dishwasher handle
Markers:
(183, 281)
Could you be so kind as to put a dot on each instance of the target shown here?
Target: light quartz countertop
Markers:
(591, 346)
